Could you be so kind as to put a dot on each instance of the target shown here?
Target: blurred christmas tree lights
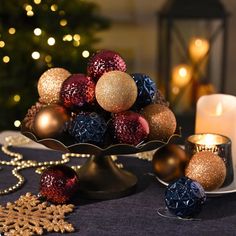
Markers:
(36, 35)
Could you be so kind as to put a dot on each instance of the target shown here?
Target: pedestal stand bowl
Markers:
(99, 177)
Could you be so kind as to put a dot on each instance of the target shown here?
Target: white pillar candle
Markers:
(217, 114)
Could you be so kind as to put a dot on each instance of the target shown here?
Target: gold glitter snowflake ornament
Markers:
(28, 216)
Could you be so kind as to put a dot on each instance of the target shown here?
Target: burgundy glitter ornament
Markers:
(129, 127)
(77, 90)
(104, 61)
(58, 183)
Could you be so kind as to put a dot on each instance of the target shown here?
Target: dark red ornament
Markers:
(77, 91)
(129, 127)
(104, 61)
(58, 183)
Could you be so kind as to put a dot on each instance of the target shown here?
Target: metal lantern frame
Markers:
(189, 10)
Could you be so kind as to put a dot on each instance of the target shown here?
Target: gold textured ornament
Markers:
(161, 119)
(50, 121)
(208, 169)
(28, 216)
(116, 91)
(169, 162)
(49, 84)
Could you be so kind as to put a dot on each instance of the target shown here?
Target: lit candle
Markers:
(208, 142)
(218, 144)
(217, 114)
(181, 75)
(198, 48)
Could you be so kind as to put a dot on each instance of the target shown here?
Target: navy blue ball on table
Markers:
(185, 197)
(88, 128)
(146, 90)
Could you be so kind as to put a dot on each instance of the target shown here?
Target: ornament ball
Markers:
(129, 127)
(161, 121)
(28, 121)
(146, 90)
(208, 169)
(104, 61)
(184, 197)
(88, 127)
(49, 84)
(77, 91)
(58, 183)
(116, 91)
(50, 121)
(169, 162)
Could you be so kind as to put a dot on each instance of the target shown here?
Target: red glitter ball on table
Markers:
(105, 61)
(58, 183)
(77, 90)
(129, 128)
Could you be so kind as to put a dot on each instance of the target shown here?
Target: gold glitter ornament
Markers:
(49, 84)
(161, 119)
(208, 169)
(116, 91)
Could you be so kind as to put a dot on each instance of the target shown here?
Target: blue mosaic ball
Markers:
(185, 197)
(88, 128)
(146, 90)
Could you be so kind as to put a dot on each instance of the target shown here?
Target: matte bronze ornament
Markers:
(49, 84)
(116, 91)
(161, 119)
(169, 162)
(208, 169)
(50, 121)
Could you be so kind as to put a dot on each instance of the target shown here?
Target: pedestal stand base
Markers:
(100, 178)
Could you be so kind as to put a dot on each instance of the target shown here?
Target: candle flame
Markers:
(181, 75)
(198, 42)
(219, 109)
(183, 72)
(198, 48)
(208, 140)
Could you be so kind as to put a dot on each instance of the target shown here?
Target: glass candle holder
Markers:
(216, 143)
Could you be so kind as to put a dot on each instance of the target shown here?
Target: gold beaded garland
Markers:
(19, 164)
(49, 84)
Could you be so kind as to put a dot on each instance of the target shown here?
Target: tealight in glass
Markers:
(216, 143)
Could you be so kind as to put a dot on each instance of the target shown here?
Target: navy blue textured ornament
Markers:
(185, 197)
(160, 99)
(88, 128)
(146, 90)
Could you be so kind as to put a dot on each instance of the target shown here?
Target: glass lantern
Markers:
(192, 51)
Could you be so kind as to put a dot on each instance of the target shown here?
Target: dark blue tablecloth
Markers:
(132, 215)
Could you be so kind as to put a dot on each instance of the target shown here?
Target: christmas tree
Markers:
(36, 35)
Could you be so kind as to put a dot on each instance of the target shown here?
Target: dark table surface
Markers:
(132, 215)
